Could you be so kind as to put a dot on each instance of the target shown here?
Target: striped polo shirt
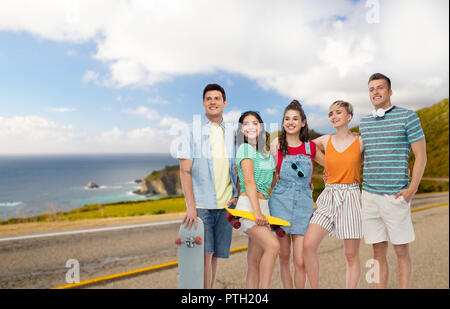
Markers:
(387, 144)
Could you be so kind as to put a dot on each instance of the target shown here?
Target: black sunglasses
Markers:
(300, 172)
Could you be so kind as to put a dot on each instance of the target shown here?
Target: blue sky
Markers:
(86, 77)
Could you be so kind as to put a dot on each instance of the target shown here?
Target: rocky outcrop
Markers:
(163, 182)
(92, 185)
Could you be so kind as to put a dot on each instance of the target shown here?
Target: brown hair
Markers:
(380, 76)
(211, 87)
(262, 144)
(304, 132)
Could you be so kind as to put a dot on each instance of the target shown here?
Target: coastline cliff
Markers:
(165, 182)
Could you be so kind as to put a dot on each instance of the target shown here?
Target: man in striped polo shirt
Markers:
(389, 133)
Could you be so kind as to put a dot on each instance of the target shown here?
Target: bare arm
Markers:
(274, 180)
(361, 149)
(420, 153)
(274, 146)
(252, 192)
(186, 184)
(234, 199)
(319, 157)
(321, 142)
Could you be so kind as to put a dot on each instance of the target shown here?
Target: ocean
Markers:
(34, 184)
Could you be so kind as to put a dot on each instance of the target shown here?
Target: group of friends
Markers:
(223, 167)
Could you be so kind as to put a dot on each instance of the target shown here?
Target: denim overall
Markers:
(291, 198)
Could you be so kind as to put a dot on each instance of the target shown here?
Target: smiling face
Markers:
(380, 94)
(339, 117)
(292, 122)
(214, 103)
(251, 128)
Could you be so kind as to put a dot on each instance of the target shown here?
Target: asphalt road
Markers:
(37, 261)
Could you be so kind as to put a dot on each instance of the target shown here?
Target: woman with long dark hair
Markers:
(256, 170)
(291, 199)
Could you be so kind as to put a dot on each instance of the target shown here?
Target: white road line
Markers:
(94, 230)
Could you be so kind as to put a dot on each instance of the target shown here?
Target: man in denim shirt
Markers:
(207, 171)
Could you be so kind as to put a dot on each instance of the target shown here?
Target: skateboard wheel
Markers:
(236, 224)
(178, 241)
(198, 240)
(280, 232)
(229, 216)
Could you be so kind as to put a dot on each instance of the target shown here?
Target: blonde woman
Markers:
(338, 210)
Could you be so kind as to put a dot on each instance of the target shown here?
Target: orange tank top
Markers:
(343, 167)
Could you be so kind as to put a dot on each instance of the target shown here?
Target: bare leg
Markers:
(313, 237)
(207, 270)
(351, 248)
(270, 246)
(379, 254)
(299, 265)
(254, 254)
(404, 266)
(214, 261)
(285, 261)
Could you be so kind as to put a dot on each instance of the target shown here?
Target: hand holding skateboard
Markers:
(233, 216)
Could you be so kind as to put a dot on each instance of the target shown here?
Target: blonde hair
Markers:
(347, 106)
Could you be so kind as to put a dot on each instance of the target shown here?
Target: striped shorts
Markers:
(339, 211)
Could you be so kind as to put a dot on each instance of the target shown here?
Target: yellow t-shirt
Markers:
(221, 167)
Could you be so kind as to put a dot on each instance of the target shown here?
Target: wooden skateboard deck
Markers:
(275, 223)
(190, 256)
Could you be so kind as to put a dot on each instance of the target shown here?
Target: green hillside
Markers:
(434, 120)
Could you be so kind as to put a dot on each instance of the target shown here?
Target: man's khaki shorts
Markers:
(385, 218)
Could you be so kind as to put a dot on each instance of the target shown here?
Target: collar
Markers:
(389, 109)
(206, 121)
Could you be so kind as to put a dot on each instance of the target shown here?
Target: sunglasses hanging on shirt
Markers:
(300, 172)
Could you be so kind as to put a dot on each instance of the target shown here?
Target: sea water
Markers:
(34, 184)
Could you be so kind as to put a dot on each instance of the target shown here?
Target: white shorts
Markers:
(385, 218)
(244, 204)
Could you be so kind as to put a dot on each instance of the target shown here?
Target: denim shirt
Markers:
(194, 144)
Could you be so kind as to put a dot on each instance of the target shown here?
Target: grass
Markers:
(168, 205)
(112, 210)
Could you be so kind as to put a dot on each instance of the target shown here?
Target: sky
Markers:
(124, 76)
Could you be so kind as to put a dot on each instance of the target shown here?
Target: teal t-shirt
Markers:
(263, 164)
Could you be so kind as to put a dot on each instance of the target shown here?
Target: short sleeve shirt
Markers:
(263, 164)
(387, 144)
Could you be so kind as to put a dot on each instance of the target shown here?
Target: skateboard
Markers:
(233, 216)
(190, 256)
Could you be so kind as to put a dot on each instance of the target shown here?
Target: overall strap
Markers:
(307, 148)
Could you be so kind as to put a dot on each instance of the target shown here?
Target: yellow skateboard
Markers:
(234, 215)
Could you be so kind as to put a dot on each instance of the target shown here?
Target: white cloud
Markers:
(168, 124)
(158, 100)
(71, 52)
(232, 116)
(63, 109)
(90, 76)
(272, 111)
(313, 50)
(33, 134)
(148, 113)
(140, 140)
